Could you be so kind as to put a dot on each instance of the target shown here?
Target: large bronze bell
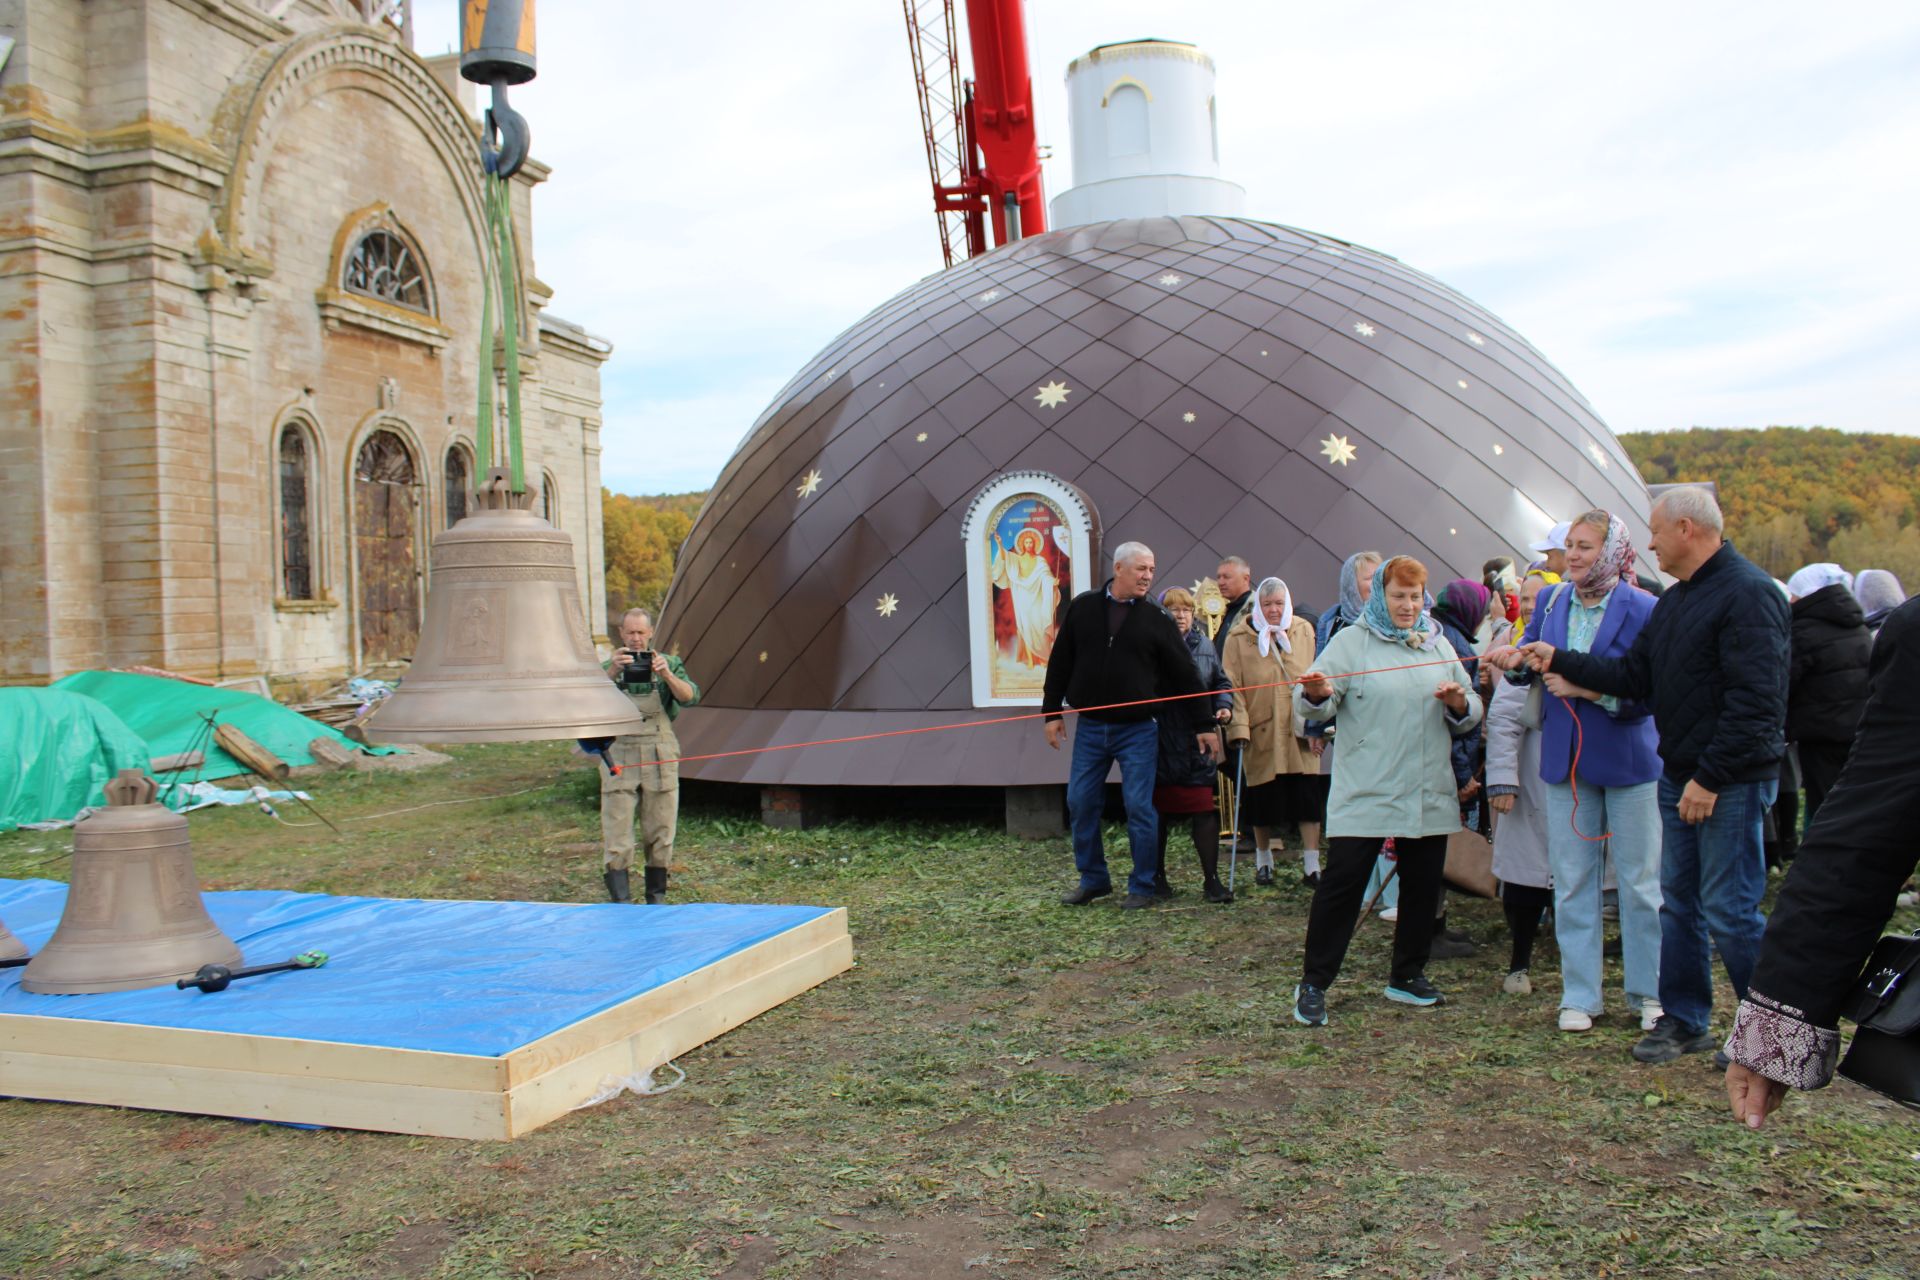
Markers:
(504, 654)
(134, 916)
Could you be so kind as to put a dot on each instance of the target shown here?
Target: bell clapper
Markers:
(217, 977)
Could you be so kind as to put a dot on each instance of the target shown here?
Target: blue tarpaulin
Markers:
(479, 978)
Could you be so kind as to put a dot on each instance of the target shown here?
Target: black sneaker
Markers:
(1309, 1006)
(1263, 876)
(1136, 901)
(1084, 894)
(1415, 991)
(1311, 879)
(1217, 892)
(1669, 1040)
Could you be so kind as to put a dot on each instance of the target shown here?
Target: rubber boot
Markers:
(656, 886)
(618, 887)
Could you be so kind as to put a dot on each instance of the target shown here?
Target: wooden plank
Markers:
(624, 1019)
(178, 762)
(546, 1098)
(250, 753)
(184, 1047)
(252, 1095)
(328, 751)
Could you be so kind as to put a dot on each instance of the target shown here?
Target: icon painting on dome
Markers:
(1027, 542)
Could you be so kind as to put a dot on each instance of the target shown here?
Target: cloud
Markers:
(1700, 212)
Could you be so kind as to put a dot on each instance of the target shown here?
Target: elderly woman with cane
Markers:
(1270, 646)
(1402, 696)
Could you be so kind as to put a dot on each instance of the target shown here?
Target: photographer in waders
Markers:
(659, 686)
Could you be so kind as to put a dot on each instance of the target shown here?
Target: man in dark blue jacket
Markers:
(1712, 663)
(1117, 646)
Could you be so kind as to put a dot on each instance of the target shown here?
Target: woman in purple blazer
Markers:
(1599, 610)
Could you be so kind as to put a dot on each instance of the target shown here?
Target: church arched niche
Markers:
(1029, 540)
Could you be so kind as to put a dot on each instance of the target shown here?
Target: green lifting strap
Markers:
(500, 270)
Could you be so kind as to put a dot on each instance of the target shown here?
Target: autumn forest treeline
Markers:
(1793, 495)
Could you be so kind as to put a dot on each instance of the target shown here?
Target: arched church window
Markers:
(384, 266)
(549, 499)
(459, 484)
(296, 515)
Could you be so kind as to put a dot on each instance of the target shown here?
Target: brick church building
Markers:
(240, 300)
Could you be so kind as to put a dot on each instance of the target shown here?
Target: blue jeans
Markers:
(1712, 877)
(1097, 744)
(1631, 815)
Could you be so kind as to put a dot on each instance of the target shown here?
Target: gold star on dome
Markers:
(1460, 383)
(1337, 449)
(1186, 417)
(1364, 329)
(1476, 340)
(1169, 279)
(1599, 454)
(989, 295)
(888, 604)
(808, 485)
(1499, 449)
(763, 655)
(1052, 395)
(921, 438)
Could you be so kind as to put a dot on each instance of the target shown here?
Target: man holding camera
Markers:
(658, 684)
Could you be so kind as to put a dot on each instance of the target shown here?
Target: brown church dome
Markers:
(1207, 386)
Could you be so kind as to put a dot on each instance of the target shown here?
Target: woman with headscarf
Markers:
(1395, 779)
(1280, 779)
(1518, 795)
(1826, 676)
(1879, 593)
(1609, 807)
(1183, 783)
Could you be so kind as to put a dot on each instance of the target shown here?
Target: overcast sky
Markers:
(1704, 213)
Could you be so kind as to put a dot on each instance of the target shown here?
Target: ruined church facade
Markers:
(240, 340)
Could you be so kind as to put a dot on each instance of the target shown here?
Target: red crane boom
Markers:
(983, 149)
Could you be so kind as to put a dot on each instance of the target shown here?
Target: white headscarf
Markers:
(1815, 576)
(1268, 632)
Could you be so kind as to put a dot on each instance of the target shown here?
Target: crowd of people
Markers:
(1626, 740)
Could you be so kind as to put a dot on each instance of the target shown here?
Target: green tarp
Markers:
(170, 716)
(57, 749)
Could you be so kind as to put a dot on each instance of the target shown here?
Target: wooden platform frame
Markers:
(444, 1095)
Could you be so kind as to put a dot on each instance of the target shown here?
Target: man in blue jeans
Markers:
(1115, 646)
(1712, 662)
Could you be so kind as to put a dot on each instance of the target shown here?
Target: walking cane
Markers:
(1233, 855)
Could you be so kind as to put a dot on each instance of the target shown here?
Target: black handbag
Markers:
(1885, 1005)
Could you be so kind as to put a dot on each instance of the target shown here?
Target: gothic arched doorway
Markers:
(386, 500)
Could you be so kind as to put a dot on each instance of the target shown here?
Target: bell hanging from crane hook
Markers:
(496, 49)
(504, 654)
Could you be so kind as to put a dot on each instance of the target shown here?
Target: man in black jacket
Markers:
(1117, 646)
(1712, 663)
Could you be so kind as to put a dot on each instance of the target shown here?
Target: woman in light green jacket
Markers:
(1394, 779)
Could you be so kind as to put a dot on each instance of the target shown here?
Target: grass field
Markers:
(1001, 1087)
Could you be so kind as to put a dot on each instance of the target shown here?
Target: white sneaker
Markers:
(1518, 983)
(1390, 914)
(1650, 1013)
(1576, 1020)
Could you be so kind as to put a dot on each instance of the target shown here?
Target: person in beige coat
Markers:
(1282, 781)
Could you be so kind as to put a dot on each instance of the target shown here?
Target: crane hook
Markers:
(507, 140)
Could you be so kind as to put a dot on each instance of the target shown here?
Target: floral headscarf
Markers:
(1614, 563)
(1376, 619)
(1268, 632)
(1351, 605)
